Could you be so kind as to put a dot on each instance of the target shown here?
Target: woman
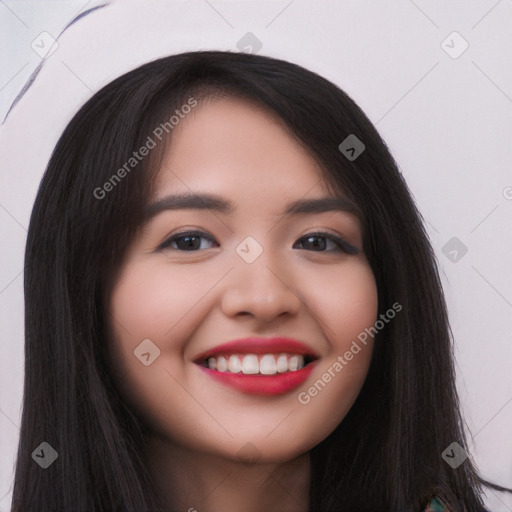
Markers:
(253, 372)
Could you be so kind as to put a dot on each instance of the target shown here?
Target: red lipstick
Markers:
(262, 366)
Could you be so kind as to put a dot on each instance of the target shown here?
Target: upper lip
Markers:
(254, 345)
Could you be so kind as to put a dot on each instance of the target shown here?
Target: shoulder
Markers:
(435, 505)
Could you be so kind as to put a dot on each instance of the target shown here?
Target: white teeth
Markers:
(234, 365)
(282, 363)
(250, 365)
(222, 364)
(293, 363)
(268, 365)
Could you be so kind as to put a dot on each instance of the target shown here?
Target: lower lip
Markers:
(262, 384)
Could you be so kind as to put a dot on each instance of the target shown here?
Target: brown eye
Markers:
(311, 242)
(186, 241)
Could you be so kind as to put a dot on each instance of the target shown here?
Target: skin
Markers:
(189, 301)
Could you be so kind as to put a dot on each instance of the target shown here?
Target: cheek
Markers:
(149, 303)
(347, 308)
(345, 303)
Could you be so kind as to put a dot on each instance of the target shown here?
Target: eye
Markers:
(191, 241)
(311, 240)
(186, 241)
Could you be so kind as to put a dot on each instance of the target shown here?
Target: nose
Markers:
(260, 289)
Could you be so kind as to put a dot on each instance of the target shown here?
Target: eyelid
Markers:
(340, 241)
(182, 233)
(335, 237)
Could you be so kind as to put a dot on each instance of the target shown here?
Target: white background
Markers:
(447, 121)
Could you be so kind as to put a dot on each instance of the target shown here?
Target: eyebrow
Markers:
(213, 202)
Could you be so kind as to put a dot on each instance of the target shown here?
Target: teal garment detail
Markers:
(436, 505)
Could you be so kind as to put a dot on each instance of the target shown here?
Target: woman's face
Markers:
(251, 272)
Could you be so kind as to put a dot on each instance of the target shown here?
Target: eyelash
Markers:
(342, 245)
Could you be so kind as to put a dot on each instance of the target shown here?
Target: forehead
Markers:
(238, 148)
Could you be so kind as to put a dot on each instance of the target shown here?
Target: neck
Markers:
(188, 480)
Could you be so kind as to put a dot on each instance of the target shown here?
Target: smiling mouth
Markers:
(257, 364)
(259, 374)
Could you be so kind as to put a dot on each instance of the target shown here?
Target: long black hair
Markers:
(386, 453)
